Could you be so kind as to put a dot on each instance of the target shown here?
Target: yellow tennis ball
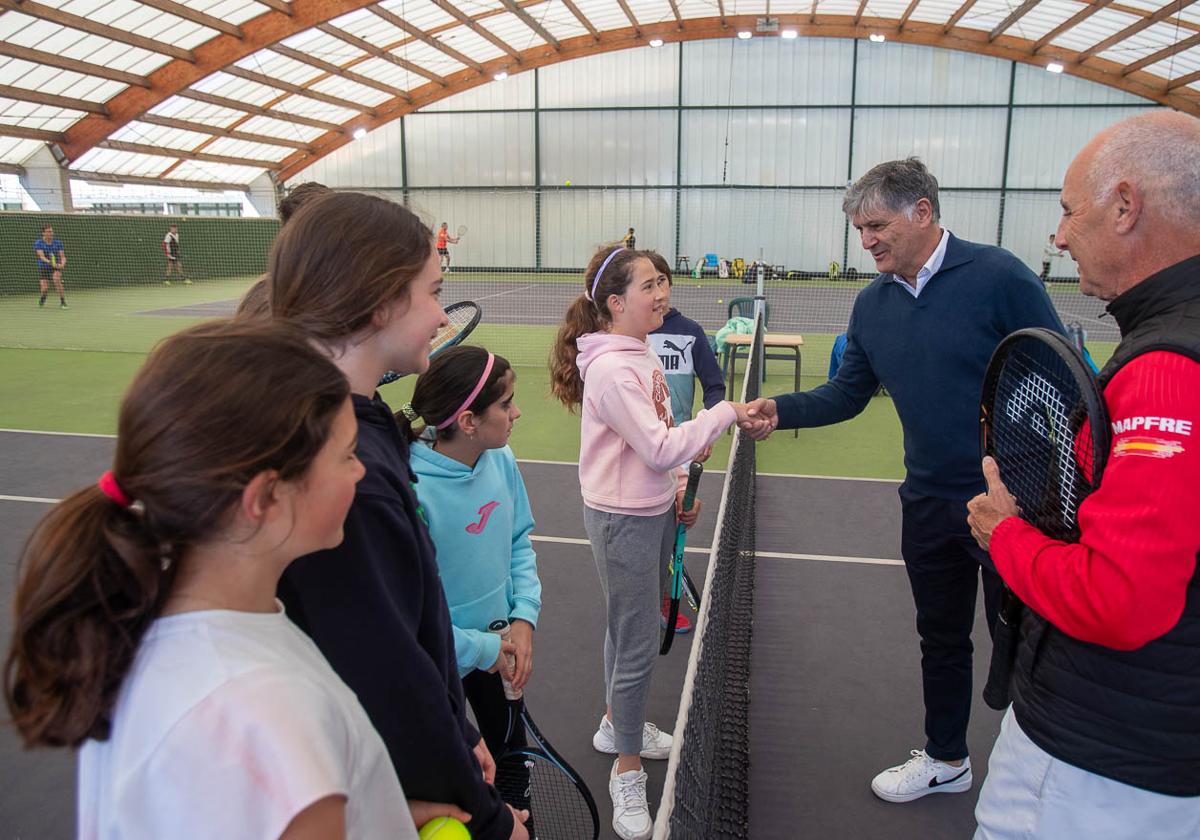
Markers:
(567, 182)
(719, 300)
(444, 828)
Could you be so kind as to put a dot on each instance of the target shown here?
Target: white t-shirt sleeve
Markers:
(244, 762)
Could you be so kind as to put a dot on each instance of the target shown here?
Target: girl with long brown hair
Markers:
(360, 276)
(629, 471)
(147, 630)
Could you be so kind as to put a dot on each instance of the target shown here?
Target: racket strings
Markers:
(459, 319)
(1038, 436)
(557, 808)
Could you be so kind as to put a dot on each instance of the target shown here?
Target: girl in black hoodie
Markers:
(360, 276)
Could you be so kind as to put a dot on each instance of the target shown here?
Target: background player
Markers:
(174, 254)
(51, 260)
(444, 237)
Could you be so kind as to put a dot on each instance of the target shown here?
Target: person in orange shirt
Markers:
(444, 237)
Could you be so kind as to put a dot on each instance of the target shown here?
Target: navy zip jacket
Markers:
(682, 346)
(930, 352)
(375, 607)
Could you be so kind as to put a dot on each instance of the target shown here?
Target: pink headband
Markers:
(603, 265)
(487, 369)
(109, 487)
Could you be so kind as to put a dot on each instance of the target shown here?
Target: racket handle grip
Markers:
(695, 470)
(997, 692)
(501, 628)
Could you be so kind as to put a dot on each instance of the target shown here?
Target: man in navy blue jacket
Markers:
(925, 329)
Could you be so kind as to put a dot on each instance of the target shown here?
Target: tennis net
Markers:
(707, 790)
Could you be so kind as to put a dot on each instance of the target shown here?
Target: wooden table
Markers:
(787, 347)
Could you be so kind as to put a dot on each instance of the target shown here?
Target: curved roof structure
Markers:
(215, 92)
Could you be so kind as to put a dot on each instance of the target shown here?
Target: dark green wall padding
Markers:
(106, 251)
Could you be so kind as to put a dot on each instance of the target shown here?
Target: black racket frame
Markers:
(1006, 632)
(680, 579)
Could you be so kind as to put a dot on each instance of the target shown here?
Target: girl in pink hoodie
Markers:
(630, 463)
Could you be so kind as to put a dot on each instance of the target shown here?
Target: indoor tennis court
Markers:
(157, 140)
(823, 708)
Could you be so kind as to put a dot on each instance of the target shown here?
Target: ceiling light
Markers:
(789, 34)
(1054, 67)
(745, 34)
(878, 37)
(501, 76)
(656, 42)
(360, 133)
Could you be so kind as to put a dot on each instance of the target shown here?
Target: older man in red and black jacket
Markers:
(1103, 737)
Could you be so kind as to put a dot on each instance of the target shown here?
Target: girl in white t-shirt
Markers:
(147, 629)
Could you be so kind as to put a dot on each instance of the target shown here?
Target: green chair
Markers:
(743, 307)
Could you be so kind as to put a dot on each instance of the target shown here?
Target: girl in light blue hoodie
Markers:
(475, 504)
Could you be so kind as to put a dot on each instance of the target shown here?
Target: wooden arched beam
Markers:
(963, 39)
(209, 57)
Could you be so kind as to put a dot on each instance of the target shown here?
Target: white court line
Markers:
(58, 434)
(774, 555)
(509, 292)
(37, 500)
(527, 460)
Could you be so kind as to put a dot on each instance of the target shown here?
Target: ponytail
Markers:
(565, 382)
(608, 273)
(92, 578)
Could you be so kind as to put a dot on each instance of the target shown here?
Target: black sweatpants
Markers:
(485, 693)
(944, 566)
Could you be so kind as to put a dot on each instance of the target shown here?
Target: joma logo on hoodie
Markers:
(485, 513)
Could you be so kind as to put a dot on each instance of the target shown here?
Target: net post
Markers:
(760, 320)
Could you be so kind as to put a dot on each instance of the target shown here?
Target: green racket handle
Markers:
(689, 499)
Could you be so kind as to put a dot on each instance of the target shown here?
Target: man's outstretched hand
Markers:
(761, 418)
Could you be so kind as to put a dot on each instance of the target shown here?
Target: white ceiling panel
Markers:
(25, 29)
(16, 150)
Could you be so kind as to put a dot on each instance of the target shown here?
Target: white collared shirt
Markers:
(931, 267)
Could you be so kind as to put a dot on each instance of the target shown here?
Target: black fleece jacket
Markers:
(375, 607)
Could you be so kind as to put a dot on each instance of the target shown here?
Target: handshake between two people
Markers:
(757, 418)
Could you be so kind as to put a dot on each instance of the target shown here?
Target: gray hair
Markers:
(895, 186)
(1158, 151)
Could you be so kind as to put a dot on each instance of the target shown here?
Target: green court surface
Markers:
(65, 370)
(79, 391)
(108, 319)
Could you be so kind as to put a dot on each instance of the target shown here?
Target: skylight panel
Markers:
(16, 150)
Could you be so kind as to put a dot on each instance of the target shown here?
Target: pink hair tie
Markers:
(109, 487)
(487, 369)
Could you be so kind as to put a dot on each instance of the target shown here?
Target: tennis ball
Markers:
(444, 828)
(567, 182)
(720, 300)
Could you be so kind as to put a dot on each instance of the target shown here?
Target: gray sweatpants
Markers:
(631, 554)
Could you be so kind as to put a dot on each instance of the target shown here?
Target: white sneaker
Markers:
(631, 814)
(655, 742)
(921, 775)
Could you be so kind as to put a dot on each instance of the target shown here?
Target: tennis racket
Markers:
(1042, 418)
(462, 231)
(464, 317)
(675, 566)
(537, 778)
